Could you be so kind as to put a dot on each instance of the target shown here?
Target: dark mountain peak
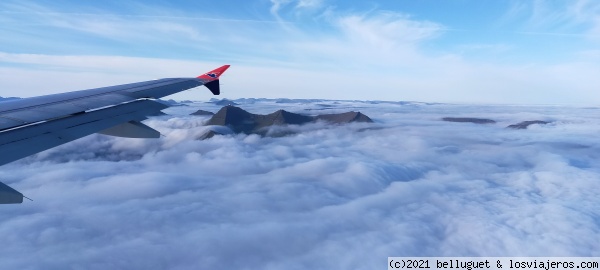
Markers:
(346, 117)
(235, 117)
(360, 117)
(276, 118)
(202, 112)
(232, 109)
(282, 117)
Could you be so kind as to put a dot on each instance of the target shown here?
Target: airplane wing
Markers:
(32, 125)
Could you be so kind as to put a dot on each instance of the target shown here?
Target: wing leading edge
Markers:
(32, 125)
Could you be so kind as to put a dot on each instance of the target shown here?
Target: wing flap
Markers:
(9, 195)
(131, 129)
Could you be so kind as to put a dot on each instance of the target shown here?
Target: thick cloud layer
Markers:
(329, 197)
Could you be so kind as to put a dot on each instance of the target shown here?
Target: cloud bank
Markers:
(331, 197)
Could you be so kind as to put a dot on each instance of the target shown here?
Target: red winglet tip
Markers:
(213, 74)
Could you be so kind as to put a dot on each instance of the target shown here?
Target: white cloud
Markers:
(387, 29)
(276, 6)
(309, 4)
(300, 5)
(594, 32)
(330, 197)
(488, 48)
(559, 17)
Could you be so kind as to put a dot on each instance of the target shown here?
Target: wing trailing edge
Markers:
(131, 129)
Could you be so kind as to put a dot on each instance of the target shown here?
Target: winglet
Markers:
(211, 79)
(213, 74)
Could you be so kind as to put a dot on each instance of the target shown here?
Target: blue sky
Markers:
(528, 52)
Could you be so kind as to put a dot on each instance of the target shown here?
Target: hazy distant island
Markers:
(469, 120)
(525, 124)
(521, 125)
(222, 102)
(8, 98)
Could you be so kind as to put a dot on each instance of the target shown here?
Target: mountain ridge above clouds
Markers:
(241, 121)
(242, 101)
